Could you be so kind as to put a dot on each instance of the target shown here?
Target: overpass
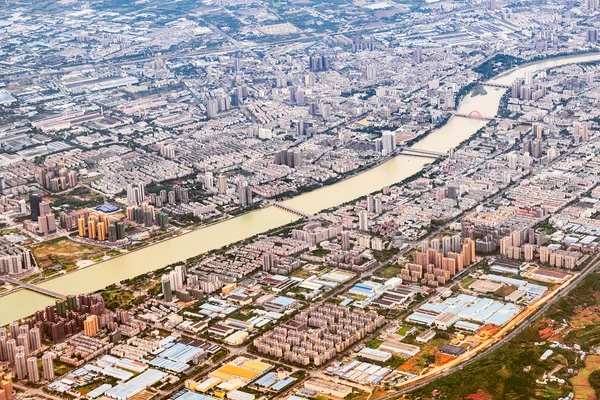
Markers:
(291, 210)
(33, 288)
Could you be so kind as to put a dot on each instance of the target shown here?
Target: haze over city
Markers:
(299, 199)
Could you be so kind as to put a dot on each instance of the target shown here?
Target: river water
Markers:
(98, 276)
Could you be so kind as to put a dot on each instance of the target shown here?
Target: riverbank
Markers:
(207, 238)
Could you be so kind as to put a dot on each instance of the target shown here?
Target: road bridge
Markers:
(497, 85)
(473, 115)
(430, 153)
(33, 288)
(291, 210)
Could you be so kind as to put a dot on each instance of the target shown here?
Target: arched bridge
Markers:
(474, 114)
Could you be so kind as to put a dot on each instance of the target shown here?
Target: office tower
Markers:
(166, 288)
(491, 5)
(345, 241)
(34, 205)
(178, 277)
(90, 325)
(21, 364)
(363, 221)
(48, 366)
(33, 371)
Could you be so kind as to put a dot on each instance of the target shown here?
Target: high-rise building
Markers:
(21, 364)
(378, 206)
(209, 181)
(35, 339)
(11, 350)
(370, 204)
(166, 288)
(388, 141)
(418, 55)
(34, 205)
(345, 241)
(363, 221)
(48, 366)
(90, 325)
(212, 108)
(245, 194)
(591, 5)
(33, 372)
(222, 184)
(23, 340)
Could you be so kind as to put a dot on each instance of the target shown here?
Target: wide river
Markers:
(98, 276)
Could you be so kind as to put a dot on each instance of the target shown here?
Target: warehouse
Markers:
(374, 355)
(402, 349)
(452, 350)
(464, 307)
(136, 385)
(329, 388)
